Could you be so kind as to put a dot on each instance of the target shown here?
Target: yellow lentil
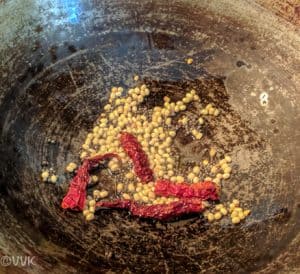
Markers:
(189, 61)
(126, 196)
(120, 187)
(71, 167)
(235, 220)
(53, 178)
(89, 217)
(45, 175)
(218, 216)
(210, 217)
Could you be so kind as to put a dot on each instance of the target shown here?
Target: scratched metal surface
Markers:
(58, 59)
(287, 9)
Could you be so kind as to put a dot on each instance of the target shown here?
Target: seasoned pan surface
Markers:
(59, 59)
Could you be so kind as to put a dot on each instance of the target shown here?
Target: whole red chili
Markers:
(139, 158)
(159, 212)
(203, 190)
(76, 195)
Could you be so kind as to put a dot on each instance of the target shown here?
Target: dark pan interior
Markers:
(59, 59)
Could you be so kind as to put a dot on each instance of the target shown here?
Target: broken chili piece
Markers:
(203, 190)
(159, 212)
(139, 158)
(76, 195)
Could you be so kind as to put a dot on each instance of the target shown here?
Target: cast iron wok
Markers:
(59, 59)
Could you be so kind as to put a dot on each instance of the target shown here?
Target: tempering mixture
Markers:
(136, 145)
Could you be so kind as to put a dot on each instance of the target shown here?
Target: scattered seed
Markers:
(189, 61)
(205, 162)
(103, 194)
(218, 216)
(86, 212)
(210, 217)
(216, 112)
(45, 175)
(212, 152)
(71, 167)
(92, 203)
(53, 179)
(226, 175)
(120, 187)
(126, 196)
(228, 159)
(236, 202)
(223, 211)
(94, 179)
(235, 220)
(130, 187)
(247, 212)
(89, 217)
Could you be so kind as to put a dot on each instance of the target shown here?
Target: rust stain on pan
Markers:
(287, 9)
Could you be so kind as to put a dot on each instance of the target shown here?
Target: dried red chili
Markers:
(203, 190)
(160, 212)
(139, 158)
(75, 197)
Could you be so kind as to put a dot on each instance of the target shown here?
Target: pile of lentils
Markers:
(155, 129)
